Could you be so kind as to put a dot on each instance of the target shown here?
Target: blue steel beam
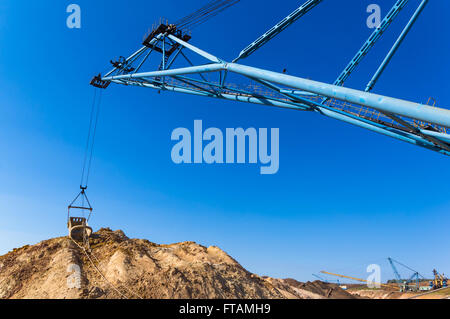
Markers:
(375, 127)
(134, 55)
(382, 103)
(397, 44)
(413, 110)
(396, 273)
(442, 136)
(245, 92)
(336, 114)
(278, 28)
(204, 54)
(138, 53)
(432, 139)
(418, 131)
(187, 70)
(393, 13)
(295, 89)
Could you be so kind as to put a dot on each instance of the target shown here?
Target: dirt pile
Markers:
(327, 290)
(120, 267)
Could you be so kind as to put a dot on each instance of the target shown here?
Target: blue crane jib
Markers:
(423, 125)
(405, 284)
(278, 28)
(384, 25)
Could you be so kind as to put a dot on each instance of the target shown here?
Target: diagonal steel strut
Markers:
(292, 92)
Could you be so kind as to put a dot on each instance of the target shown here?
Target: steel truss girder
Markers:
(296, 92)
(278, 28)
(374, 37)
(396, 45)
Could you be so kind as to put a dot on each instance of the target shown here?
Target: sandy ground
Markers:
(120, 267)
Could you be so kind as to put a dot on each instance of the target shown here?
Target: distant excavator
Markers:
(439, 281)
(356, 279)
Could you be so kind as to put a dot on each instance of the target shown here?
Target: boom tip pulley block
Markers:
(151, 40)
(99, 83)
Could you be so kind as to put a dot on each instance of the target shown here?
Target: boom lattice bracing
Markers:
(177, 68)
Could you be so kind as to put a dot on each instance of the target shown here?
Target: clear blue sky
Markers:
(344, 197)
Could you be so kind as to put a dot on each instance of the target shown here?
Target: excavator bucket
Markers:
(79, 230)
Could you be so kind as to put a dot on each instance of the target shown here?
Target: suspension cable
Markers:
(212, 14)
(216, 6)
(205, 13)
(187, 18)
(88, 138)
(93, 138)
(90, 141)
(83, 249)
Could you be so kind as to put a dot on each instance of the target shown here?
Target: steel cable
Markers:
(185, 19)
(204, 13)
(212, 14)
(90, 141)
(86, 150)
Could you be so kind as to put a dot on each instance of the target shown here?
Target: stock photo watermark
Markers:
(374, 279)
(74, 279)
(230, 147)
(74, 19)
(374, 19)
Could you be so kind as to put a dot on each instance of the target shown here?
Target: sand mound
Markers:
(120, 267)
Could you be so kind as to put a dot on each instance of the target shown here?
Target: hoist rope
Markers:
(187, 18)
(93, 138)
(88, 255)
(90, 141)
(203, 14)
(210, 15)
(98, 270)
